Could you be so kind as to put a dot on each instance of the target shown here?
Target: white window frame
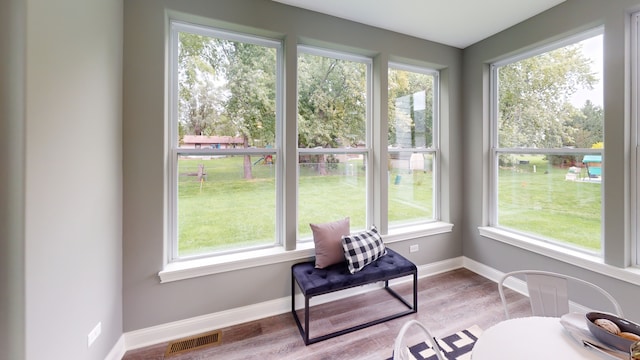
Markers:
(434, 150)
(174, 151)
(493, 229)
(635, 139)
(286, 249)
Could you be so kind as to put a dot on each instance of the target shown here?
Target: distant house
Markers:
(211, 142)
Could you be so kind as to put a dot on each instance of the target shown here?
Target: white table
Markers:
(535, 338)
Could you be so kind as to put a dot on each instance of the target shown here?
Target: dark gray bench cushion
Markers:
(314, 281)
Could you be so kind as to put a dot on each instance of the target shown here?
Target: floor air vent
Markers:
(194, 342)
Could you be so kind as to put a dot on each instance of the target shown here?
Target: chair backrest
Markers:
(401, 352)
(548, 292)
(548, 295)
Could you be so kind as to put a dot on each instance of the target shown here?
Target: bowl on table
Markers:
(604, 333)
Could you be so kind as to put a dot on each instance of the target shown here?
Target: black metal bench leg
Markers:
(415, 291)
(306, 320)
(304, 332)
(293, 294)
(411, 308)
(308, 289)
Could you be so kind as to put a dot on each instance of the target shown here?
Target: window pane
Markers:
(552, 197)
(225, 102)
(410, 109)
(410, 187)
(226, 89)
(219, 209)
(330, 187)
(332, 114)
(552, 100)
(332, 102)
(411, 120)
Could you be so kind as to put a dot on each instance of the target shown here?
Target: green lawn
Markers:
(543, 203)
(226, 211)
(211, 213)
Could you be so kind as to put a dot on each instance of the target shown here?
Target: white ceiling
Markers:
(458, 23)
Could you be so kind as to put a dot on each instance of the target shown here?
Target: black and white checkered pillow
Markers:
(363, 248)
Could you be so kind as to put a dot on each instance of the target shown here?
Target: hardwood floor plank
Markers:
(447, 303)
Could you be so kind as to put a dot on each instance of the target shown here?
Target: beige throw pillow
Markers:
(328, 241)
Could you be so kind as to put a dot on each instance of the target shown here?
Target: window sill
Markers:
(181, 270)
(416, 231)
(569, 256)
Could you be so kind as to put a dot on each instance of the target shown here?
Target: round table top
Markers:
(530, 338)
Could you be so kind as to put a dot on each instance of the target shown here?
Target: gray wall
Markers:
(12, 278)
(567, 18)
(146, 301)
(64, 225)
(61, 185)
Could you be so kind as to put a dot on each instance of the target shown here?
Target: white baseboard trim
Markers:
(512, 283)
(118, 350)
(482, 269)
(182, 328)
(174, 330)
(199, 324)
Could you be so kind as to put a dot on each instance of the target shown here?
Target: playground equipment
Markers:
(593, 163)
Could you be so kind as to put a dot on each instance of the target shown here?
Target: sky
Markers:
(593, 49)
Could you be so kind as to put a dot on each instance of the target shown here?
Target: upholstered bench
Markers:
(314, 282)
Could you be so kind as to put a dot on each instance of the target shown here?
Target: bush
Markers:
(561, 160)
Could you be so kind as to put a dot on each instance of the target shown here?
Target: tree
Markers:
(200, 100)
(404, 86)
(589, 124)
(251, 106)
(331, 103)
(534, 93)
(227, 88)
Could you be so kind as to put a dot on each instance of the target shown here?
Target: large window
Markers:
(333, 143)
(413, 141)
(226, 170)
(547, 143)
(224, 142)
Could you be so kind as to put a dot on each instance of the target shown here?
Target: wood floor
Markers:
(447, 303)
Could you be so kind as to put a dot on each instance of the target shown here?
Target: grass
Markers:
(225, 211)
(544, 204)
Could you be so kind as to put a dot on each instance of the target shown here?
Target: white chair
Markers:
(401, 352)
(548, 292)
